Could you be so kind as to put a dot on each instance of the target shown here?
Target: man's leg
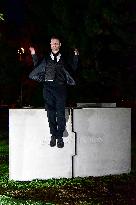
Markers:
(50, 103)
(60, 108)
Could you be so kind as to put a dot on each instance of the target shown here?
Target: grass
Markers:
(5, 200)
(107, 190)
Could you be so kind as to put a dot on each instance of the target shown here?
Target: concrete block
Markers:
(103, 141)
(101, 146)
(31, 156)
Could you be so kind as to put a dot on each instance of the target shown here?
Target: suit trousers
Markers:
(54, 95)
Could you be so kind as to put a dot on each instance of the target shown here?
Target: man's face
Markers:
(55, 45)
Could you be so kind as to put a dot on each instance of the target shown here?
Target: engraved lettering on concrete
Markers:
(93, 139)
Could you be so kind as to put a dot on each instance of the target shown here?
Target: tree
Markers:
(104, 32)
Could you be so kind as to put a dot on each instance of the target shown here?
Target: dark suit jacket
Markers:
(38, 73)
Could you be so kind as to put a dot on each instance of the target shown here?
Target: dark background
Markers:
(102, 30)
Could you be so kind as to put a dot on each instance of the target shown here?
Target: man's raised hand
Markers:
(76, 51)
(32, 50)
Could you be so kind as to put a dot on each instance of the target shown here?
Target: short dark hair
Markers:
(56, 37)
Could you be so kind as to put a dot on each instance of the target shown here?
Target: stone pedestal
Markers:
(103, 141)
(97, 142)
(31, 156)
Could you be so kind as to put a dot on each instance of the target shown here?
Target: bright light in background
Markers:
(20, 52)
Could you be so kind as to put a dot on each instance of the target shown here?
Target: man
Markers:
(54, 72)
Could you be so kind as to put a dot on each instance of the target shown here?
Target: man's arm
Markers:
(34, 56)
(38, 73)
(75, 60)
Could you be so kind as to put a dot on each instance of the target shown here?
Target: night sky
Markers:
(14, 11)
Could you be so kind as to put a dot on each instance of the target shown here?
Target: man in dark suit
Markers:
(55, 73)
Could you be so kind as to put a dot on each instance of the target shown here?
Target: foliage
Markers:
(104, 33)
(102, 30)
(4, 200)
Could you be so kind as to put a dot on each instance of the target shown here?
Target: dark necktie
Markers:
(55, 58)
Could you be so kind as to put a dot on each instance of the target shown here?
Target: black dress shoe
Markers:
(60, 143)
(53, 141)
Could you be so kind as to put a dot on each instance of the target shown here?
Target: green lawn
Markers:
(108, 190)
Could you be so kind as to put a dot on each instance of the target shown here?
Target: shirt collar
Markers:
(58, 56)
